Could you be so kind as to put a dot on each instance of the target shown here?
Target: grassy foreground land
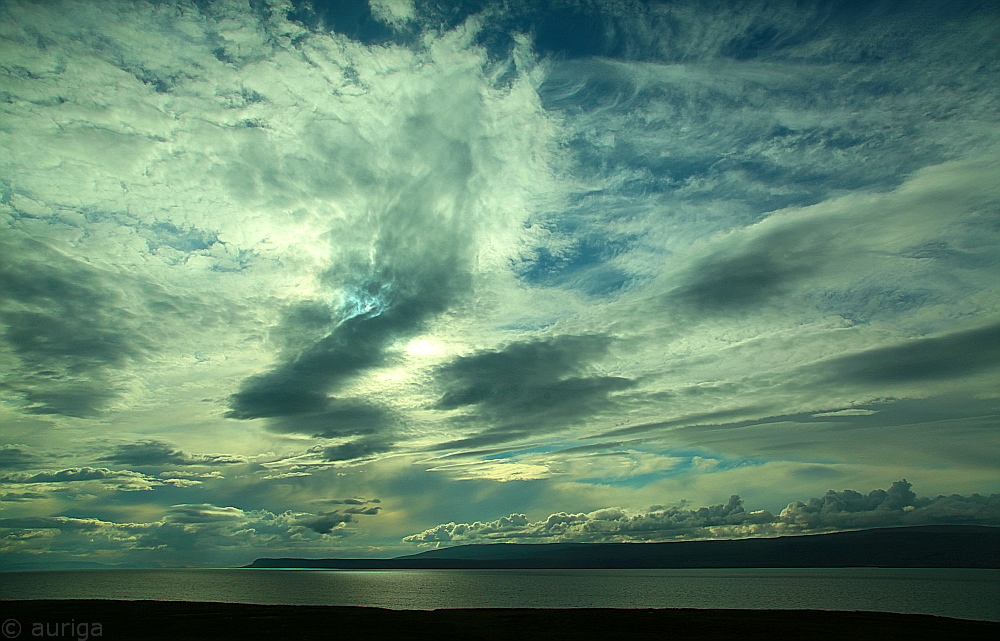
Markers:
(218, 621)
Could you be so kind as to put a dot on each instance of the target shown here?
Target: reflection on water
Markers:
(962, 593)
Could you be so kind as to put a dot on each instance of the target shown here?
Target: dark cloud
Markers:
(529, 386)
(68, 327)
(338, 418)
(360, 448)
(947, 357)
(147, 453)
(370, 511)
(833, 508)
(744, 277)
(158, 453)
(16, 457)
(528, 397)
(500, 378)
(745, 281)
(818, 472)
(348, 501)
(848, 509)
(326, 523)
(12, 497)
(265, 397)
(314, 413)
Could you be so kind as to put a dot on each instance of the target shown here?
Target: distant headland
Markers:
(931, 546)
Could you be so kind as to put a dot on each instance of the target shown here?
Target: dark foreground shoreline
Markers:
(142, 620)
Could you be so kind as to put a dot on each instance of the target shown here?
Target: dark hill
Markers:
(932, 546)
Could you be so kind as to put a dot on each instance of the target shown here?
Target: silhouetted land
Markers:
(155, 620)
(933, 546)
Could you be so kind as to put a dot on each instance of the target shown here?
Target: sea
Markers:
(959, 593)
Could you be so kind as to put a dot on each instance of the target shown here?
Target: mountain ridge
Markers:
(955, 546)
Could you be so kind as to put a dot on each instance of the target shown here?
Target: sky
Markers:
(355, 279)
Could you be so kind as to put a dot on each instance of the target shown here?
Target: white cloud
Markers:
(833, 511)
(393, 12)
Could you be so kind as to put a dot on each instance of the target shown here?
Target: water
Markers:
(960, 593)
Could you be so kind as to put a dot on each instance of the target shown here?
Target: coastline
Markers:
(927, 546)
(220, 621)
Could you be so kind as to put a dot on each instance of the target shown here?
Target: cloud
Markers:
(327, 522)
(70, 474)
(21, 496)
(365, 507)
(188, 479)
(157, 453)
(67, 327)
(337, 417)
(50, 522)
(896, 506)
(122, 480)
(204, 531)
(393, 12)
(368, 511)
(16, 457)
(453, 531)
(951, 356)
(348, 501)
(833, 511)
(528, 387)
(957, 423)
(750, 278)
(500, 378)
(202, 514)
(357, 449)
(411, 199)
(835, 244)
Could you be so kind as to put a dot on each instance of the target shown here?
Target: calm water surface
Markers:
(961, 593)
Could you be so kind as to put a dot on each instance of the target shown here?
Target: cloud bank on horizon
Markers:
(501, 258)
(846, 510)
